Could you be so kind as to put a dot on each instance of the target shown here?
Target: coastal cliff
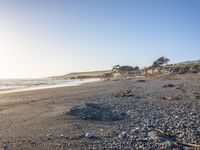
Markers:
(171, 69)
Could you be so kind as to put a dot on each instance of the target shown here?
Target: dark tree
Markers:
(125, 68)
(122, 68)
(160, 61)
(136, 68)
(116, 67)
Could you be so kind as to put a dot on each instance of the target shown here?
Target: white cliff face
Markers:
(171, 69)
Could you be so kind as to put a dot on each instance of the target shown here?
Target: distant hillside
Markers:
(190, 62)
(82, 75)
(179, 68)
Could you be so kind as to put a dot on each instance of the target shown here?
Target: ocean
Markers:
(15, 85)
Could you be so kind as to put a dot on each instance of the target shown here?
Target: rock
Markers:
(173, 69)
(5, 146)
(90, 135)
(94, 111)
(137, 128)
(49, 136)
(33, 142)
(197, 95)
(123, 135)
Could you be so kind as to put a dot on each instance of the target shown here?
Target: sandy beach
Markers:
(37, 119)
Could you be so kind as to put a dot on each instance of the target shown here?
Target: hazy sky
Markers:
(51, 37)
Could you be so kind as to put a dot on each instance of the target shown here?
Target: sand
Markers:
(37, 120)
(31, 115)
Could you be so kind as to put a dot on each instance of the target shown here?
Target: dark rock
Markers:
(169, 85)
(5, 146)
(94, 111)
(49, 136)
(141, 80)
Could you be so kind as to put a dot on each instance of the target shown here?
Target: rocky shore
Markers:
(147, 113)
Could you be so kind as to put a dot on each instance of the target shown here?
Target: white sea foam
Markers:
(15, 85)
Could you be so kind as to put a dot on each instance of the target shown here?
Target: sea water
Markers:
(14, 85)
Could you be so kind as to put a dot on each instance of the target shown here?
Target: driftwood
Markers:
(178, 142)
(169, 98)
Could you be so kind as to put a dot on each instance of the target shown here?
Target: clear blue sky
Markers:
(49, 37)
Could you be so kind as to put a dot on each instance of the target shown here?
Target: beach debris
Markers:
(115, 79)
(125, 93)
(141, 80)
(157, 134)
(90, 135)
(168, 139)
(169, 98)
(197, 95)
(94, 111)
(168, 85)
(33, 142)
(163, 139)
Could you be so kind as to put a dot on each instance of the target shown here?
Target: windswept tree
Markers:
(160, 61)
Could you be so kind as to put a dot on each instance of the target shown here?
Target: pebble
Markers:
(123, 135)
(49, 136)
(90, 135)
(142, 117)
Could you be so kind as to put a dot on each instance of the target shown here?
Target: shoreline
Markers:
(33, 88)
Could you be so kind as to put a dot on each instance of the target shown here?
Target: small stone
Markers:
(62, 135)
(67, 137)
(33, 141)
(168, 85)
(90, 135)
(5, 146)
(136, 129)
(123, 135)
(49, 136)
